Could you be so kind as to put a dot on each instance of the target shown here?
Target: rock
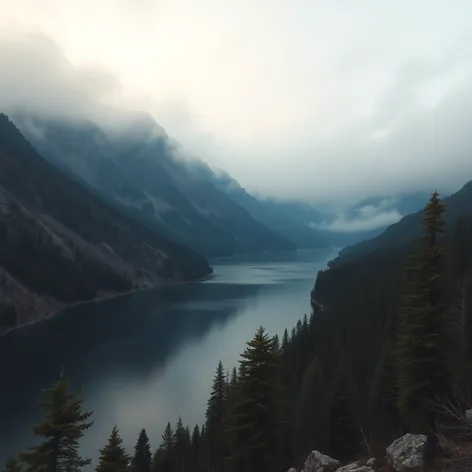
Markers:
(349, 467)
(372, 462)
(355, 467)
(407, 453)
(317, 462)
(468, 415)
(291, 470)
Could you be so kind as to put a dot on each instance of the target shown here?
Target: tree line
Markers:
(387, 344)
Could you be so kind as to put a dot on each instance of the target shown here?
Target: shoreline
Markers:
(105, 297)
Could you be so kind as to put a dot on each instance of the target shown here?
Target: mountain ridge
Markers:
(138, 171)
(60, 242)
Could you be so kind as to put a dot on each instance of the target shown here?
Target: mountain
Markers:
(401, 234)
(283, 218)
(59, 243)
(140, 171)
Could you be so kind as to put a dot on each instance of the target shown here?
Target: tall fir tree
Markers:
(63, 426)
(215, 415)
(423, 374)
(164, 458)
(113, 456)
(253, 416)
(182, 447)
(142, 453)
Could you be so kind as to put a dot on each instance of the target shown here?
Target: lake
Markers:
(149, 357)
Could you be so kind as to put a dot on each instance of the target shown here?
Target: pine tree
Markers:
(422, 369)
(252, 422)
(214, 419)
(113, 456)
(195, 444)
(181, 447)
(62, 428)
(142, 453)
(13, 464)
(164, 458)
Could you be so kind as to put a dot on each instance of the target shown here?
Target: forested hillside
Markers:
(60, 242)
(386, 350)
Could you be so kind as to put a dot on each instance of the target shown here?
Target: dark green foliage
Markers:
(182, 447)
(344, 427)
(63, 426)
(113, 457)
(312, 420)
(253, 417)
(13, 464)
(215, 416)
(164, 459)
(142, 453)
(422, 370)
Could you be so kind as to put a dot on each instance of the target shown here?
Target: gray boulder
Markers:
(407, 453)
(317, 462)
(468, 415)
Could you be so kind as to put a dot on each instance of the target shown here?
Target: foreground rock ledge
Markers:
(405, 454)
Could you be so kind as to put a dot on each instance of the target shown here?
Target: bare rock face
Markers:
(317, 462)
(372, 462)
(407, 453)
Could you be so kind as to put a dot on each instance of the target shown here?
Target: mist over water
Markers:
(147, 358)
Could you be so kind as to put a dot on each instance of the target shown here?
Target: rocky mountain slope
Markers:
(139, 171)
(59, 243)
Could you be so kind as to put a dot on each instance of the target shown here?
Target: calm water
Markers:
(149, 357)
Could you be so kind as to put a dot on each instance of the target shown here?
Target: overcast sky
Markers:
(311, 99)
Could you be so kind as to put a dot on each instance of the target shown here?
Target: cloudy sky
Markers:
(310, 99)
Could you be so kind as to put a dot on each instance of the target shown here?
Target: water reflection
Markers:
(146, 358)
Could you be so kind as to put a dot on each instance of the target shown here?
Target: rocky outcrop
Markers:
(407, 453)
(317, 462)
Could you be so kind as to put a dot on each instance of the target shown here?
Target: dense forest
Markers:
(386, 350)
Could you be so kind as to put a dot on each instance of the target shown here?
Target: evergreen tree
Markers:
(164, 458)
(252, 422)
(422, 369)
(181, 447)
(63, 426)
(142, 453)
(113, 456)
(13, 464)
(214, 419)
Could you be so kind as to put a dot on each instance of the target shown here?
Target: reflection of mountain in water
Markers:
(129, 336)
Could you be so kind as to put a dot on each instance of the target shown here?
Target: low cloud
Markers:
(330, 114)
(365, 218)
